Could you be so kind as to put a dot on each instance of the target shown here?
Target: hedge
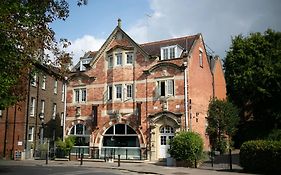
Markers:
(261, 156)
(187, 147)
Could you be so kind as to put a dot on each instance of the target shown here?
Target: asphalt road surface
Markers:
(58, 170)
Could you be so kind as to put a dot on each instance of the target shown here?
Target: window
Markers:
(42, 106)
(80, 95)
(165, 54)
(30, 133)
(118, 91)
(119, 59)
(200, 58)
(110, 61)
(129, 58)
(170, 52)
(44, 82)
(109, 92)
(79, 129)
(129, 91)
(62, 92)
(54, 110)
(166, 88)
(56, 87)
(61, 119)
(32, 106)
(33, 80)
(82, 63)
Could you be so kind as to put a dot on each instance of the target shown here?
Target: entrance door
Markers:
(166, 134)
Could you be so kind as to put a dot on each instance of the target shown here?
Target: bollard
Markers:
(230, 160)
(81, 159)
(46, 158)
(118, 160)
(195, 163)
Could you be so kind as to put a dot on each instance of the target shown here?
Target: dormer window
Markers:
(83, 62)
(170, 52)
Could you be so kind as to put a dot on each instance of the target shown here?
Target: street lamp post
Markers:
(41, 116)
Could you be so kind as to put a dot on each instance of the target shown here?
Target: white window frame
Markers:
(110, 61)
(62, 92)
(44, 82)
(169, 85)
(80, 95)
(30, 133)
(61, 118)
(32, 106)
(118, 91)
(34, 79)
(119, 59)
(166, 52)
(55, 86)
(109, 92)
(129, 91)
(129, 58)
(82, 62)
(43, 106)
(54, 111)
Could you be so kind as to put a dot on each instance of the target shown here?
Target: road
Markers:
(58, 170)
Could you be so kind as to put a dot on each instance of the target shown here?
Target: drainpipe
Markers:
(64, 108)
(185, 92)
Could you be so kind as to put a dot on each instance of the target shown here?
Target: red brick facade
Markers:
(16, 122)
(147, 111)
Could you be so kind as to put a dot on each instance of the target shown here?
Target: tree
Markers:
(222, 121)
(25, 35)
(187, 147)
(252, 71)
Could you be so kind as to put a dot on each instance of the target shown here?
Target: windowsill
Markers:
(169, 59)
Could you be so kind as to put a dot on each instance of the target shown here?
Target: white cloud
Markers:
(216, 20)
(82, 45)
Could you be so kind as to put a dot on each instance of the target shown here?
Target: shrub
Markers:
(187, 147)
(64, 147)
(275, 135)
(261, 156)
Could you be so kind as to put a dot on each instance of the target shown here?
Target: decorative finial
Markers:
(119, 22)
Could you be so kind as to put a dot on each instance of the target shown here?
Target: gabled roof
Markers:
(109, 39)
(153, 48)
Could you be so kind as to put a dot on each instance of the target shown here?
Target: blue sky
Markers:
(149, 20)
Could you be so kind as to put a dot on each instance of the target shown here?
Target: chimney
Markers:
(119, 22)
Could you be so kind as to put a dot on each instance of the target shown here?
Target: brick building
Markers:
(130, 99)
(40, 117)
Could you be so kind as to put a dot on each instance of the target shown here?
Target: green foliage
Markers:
(252, 72)
(67, 144)
(275, 135)
(24, 35)
(187, 146)
(222, 121)
(261, 156)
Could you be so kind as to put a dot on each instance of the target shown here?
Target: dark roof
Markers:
(153, 48)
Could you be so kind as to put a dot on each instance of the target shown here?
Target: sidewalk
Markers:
(142, 168)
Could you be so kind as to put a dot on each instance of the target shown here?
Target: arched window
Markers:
(81, 134)
(79, 129)
(120, 135)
